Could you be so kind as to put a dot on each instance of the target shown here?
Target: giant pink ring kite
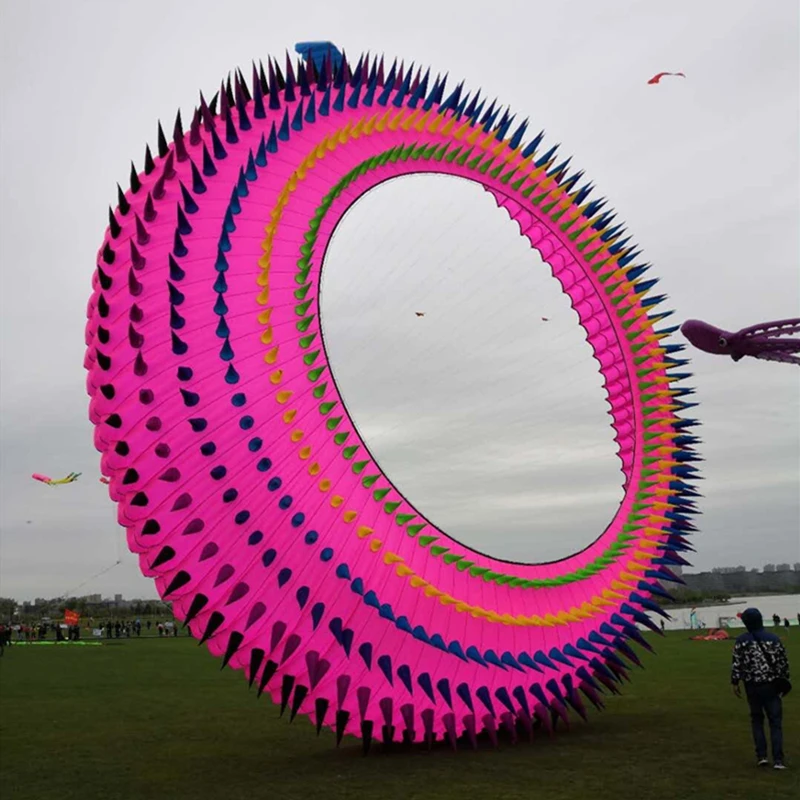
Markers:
(243, 483)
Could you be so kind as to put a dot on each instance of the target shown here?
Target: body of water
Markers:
(724, 614)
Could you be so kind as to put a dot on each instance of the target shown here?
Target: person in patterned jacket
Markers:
(758, 659)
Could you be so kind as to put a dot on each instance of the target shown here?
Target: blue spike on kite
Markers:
(443, 686)
(543, 659)
(530, 148)
(503, 696)
(311, 110)
(272, 142)
(355, 95)
(595, 206)
(482, 693)
(462, 690)
(616, 247)
(510, 661)
(250, 173)
(261, 154)
(189, 205)
(404, 625)
(369, 95)
(628, 257)
(453, 100)
(234, 205)
(230, 226)
(419, 92)
(490, 112)
(241, 185)
(404, 673)
(258, 101)
(557, 655)
(209, 170)
(217, 146)
(425, 683)
(455, 648)
(609, 234)
(470, 109)
(474, 654)
(492, 658)
(231, 137)
(388, 86)
(571, 651)
(403, 90)
(546, 157)
(288, 90)
(584, 645)
(596, 638)
(325, 105)
(420, 634)
(431, 98)
(527, 661)
(537, 691)
(297, 119)
(365, 651)
(385, 664)
(283, 132)
(338, 103)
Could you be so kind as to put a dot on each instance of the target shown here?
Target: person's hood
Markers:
(753, 620)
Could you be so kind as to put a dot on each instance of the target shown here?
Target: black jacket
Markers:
(752, 666)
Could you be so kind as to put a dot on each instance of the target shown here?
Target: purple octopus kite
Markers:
(768, 341)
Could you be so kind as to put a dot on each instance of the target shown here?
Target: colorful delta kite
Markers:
(241, 478)
(71, 478)
(769, 341)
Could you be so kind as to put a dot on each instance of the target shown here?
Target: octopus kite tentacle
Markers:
(778, 355)
(783, 327)
(767, 341)
(243, 483)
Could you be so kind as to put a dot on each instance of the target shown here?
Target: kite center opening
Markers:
(465, 371)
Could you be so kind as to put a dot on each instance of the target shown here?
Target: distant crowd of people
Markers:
(59, 632)
(118, 630)
(39, 632)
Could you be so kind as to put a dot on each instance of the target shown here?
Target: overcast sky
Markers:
(490, 419)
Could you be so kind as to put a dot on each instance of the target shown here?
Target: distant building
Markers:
(117, 598)
(783, 568)
(728, 570)
(740, 582)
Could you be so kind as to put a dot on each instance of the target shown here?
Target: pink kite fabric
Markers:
(241, 479)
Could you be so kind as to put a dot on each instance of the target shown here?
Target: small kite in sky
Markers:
(71, 478)
(657, 78)
(545, 319)
(420, 313)
(104, 480)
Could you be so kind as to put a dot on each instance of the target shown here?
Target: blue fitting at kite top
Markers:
(318, 52)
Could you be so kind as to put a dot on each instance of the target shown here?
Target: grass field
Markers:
(155, 718)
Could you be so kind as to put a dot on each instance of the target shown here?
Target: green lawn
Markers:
(155, 718)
